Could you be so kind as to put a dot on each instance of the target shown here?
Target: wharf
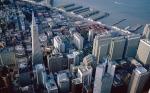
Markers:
(92, 13)
(67, 5)
(99, 16)
(119, 22)
(74, 8)
(81, 10)
(135, 27)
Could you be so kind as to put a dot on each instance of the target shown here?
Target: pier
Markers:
(66, 6)
(100, 16)
(74, 8)
(135, 27)
(119, 22)
(92, 13)
(85, 13)
(82, 10)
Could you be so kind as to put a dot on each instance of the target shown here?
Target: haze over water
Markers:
(135, 11)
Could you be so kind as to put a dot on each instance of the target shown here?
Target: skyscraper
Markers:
(59, 44)
(56, 62)
(90, 35)
(117, 48)
(143, 52)
(40, 73)
(132, 42)
(101, 47)
(85, 74)
(104, 77)
(78, 40)
(146, 32)
(63, 82)
(98, 77)
(138, 79)
(37, 55)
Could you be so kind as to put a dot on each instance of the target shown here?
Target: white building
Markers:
(138, 79)
(146, 32)
(78, 40)
(143, 52)
(101, 47)
(59, 44)
(85, 74)
(39, 68)
(98, 79)
(104, 77)
(90, 35)
(37, 55)
(117, 48)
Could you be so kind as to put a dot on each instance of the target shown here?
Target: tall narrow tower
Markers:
(37, 56)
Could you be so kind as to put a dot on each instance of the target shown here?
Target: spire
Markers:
(33, 19)
(37, 56)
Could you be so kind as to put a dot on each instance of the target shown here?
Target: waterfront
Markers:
(135, 11)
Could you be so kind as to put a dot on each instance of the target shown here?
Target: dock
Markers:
(67, 5)
(78, 10)
(99, 16)
(135, 27)
(74, 8)
(82, 10)
(92, 13)
(119, 22)
(85, 13)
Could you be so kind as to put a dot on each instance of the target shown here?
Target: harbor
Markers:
(87, 12)
(101, 16)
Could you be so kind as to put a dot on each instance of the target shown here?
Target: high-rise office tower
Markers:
(146, 32)
(98, 79)
(106, 83)
(59, 44)
(37, 55)
(78, 40)
(90, 35)
(39, 68)
(139, 77)
(63, 82)
(131, 46)
(104, 77)
(117, 48)
(70, 60)
(111, 68)
(76, 58)
(143, 52)
(85, 74)
(56, 62)
(73, 59)
(101, 47)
